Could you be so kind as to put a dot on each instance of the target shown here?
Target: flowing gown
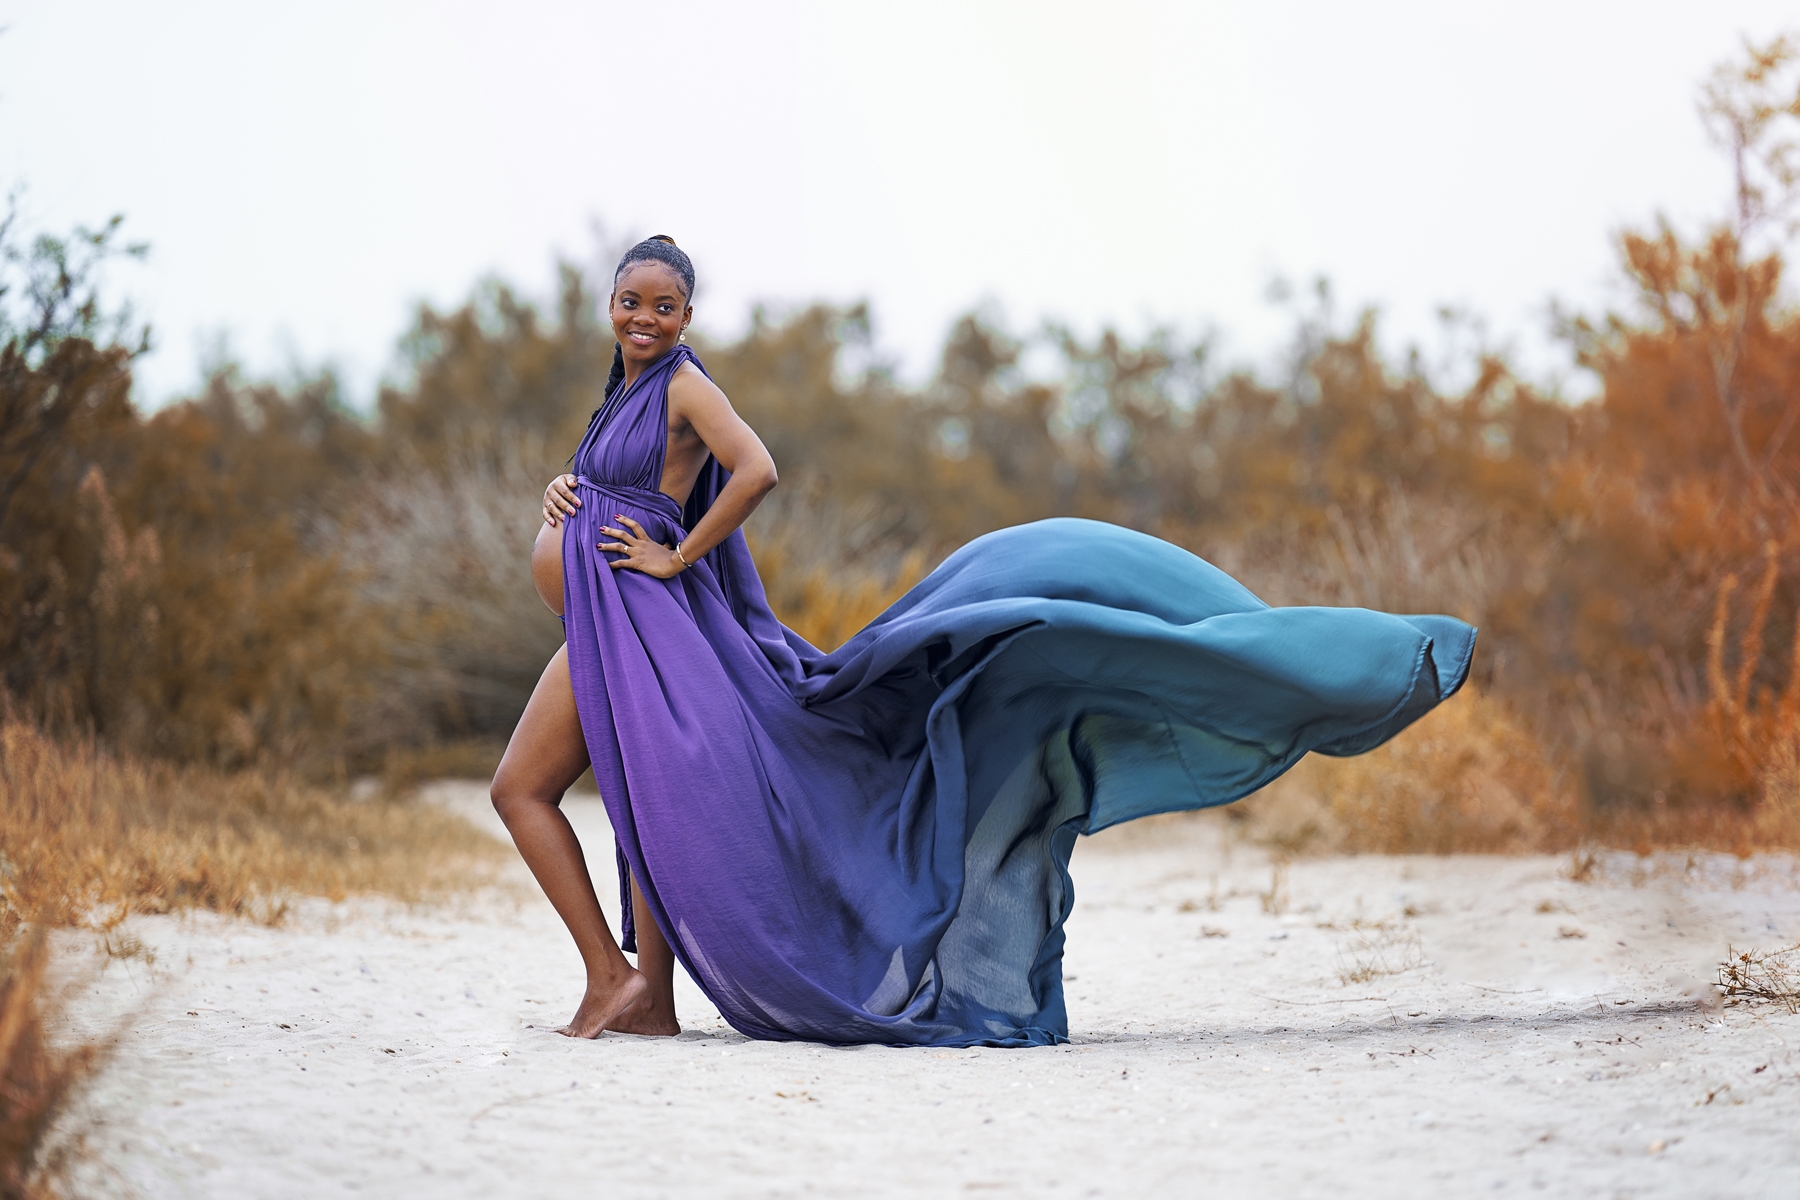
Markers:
(872, 845)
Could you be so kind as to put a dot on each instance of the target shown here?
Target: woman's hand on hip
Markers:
(641, 554)
(560, 500)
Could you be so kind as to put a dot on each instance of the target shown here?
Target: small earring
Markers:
(683, 336)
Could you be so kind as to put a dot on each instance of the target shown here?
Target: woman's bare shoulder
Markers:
(690, 384)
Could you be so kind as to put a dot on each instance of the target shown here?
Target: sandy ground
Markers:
(1369, 1026)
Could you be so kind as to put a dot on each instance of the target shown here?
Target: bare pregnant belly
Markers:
(546, 566)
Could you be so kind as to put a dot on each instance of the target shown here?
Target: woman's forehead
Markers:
(649, 276)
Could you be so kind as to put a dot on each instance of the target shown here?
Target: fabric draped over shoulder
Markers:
(871, 844)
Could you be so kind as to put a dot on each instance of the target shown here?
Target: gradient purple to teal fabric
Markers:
(872, 845)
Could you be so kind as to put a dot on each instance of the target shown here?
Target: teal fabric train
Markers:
(871, 845)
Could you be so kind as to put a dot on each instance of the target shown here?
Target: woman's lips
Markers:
(640, 337)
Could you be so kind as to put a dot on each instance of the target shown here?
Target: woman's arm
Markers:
(696, 400)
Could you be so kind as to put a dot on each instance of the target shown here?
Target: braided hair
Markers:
(658, 249)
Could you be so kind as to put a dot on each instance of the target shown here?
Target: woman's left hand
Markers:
(641, 554)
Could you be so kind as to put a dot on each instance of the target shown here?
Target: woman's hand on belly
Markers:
(560, 500)
(547, 565)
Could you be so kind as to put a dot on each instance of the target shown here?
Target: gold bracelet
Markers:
(681, 556)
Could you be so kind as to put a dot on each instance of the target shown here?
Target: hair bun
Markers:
(660, 249)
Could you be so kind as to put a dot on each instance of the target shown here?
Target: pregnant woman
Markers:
(872, 845)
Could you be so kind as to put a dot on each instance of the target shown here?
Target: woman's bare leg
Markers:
(546, 755)
(654, 1015)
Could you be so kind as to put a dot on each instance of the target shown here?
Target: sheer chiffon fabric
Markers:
(872, 845)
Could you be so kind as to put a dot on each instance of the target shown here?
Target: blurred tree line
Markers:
(260, 572)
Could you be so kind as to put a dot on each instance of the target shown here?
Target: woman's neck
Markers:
(633, 368)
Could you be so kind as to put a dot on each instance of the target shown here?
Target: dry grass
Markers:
(1377, 951)
(1468, 778)
(1393, 554)
(88, 838)
(404, 769)
(1772, 975)
(1275, 900)
(37, 1081)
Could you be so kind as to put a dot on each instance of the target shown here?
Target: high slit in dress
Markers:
(872, 845)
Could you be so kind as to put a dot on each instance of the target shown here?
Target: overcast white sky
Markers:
(306, 174)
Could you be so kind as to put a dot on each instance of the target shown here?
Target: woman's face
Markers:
(648, 311)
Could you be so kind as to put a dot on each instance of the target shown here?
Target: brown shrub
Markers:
(829, 569)
(159, 586)
(440, 551)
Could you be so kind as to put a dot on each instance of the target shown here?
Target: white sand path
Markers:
(371, 1049)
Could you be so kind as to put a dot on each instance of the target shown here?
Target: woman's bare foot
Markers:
(647, 1018)
(601, 1006)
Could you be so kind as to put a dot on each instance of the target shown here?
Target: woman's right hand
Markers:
(560, 500)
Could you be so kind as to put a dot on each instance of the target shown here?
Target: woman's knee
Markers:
(512, 795)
